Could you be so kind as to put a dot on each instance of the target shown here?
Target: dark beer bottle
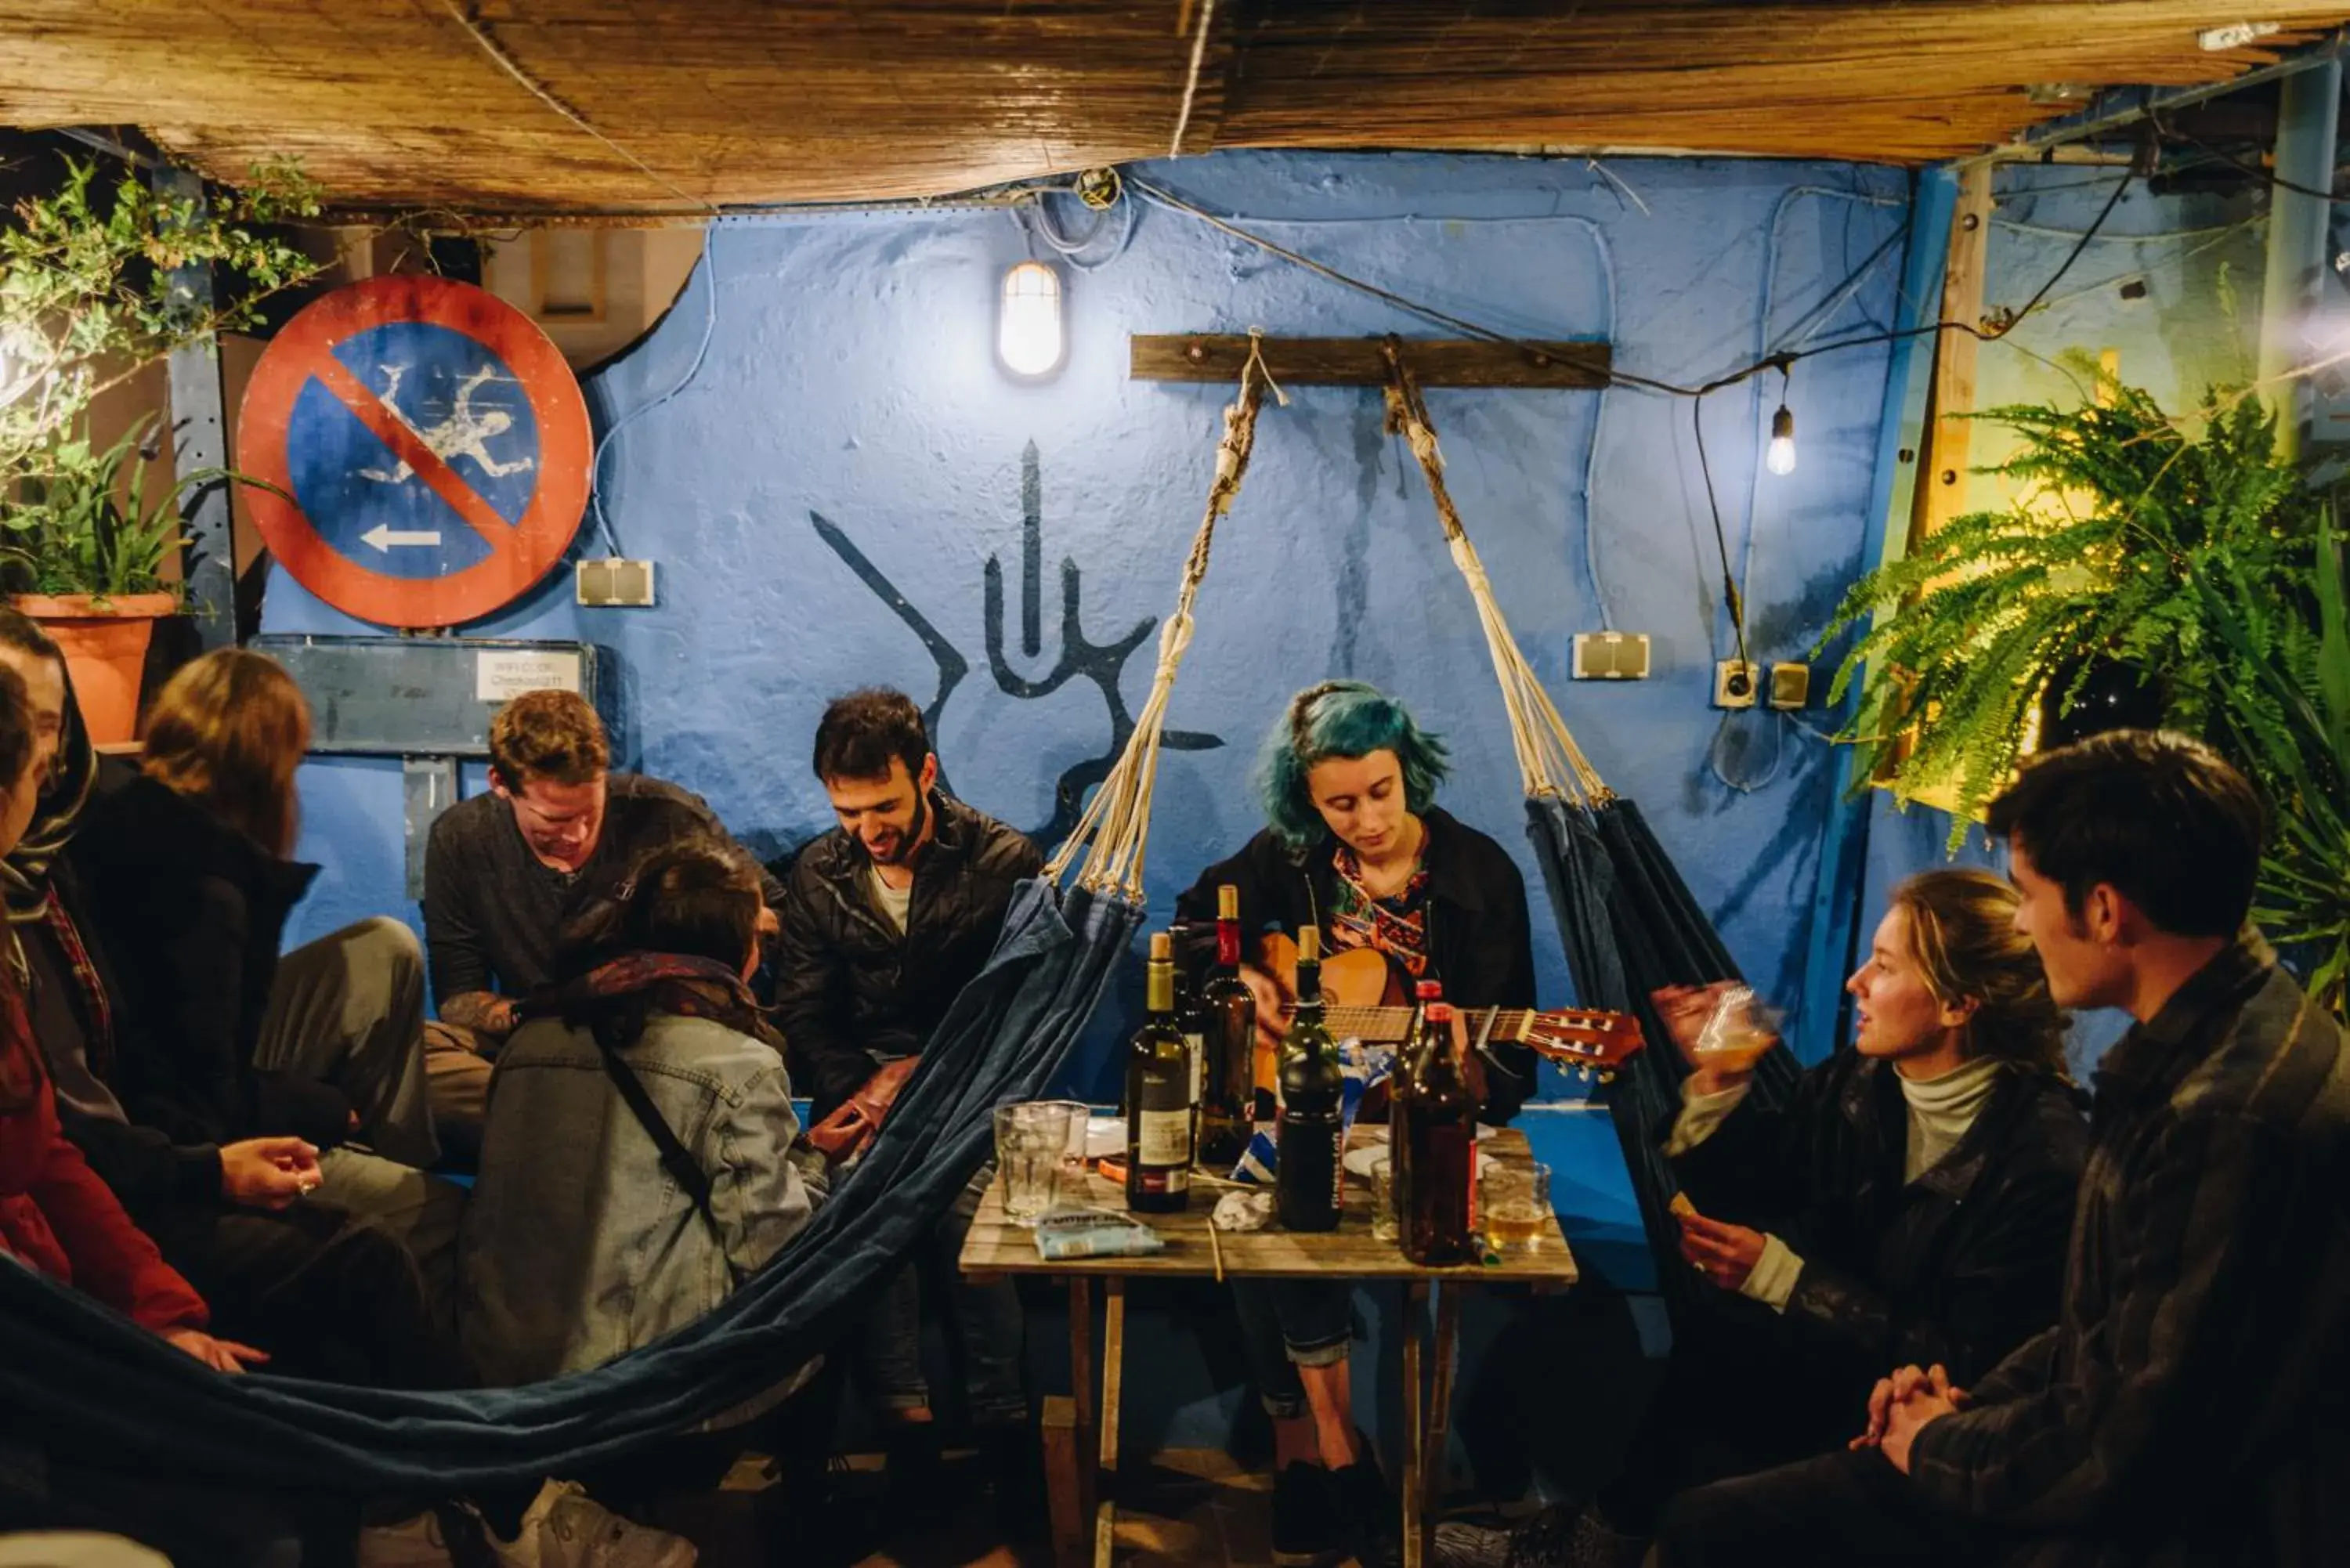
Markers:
(1158, 1096)
(1307, 1172)
(1436, 1182)
(1400, 1084)
(1227, 1045)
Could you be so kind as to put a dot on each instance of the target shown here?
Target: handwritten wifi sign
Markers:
(433, 442)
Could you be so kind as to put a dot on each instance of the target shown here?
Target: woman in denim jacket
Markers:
(587, 1238)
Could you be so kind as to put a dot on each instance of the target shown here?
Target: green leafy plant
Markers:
(88, 524)
(2123, 514)
(2291, 728)
(93, 290)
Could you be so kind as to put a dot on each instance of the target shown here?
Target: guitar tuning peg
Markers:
(1607, 1078)
(1583, 1073)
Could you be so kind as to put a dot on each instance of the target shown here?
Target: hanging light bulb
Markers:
(1028, 337)
(1781, 457)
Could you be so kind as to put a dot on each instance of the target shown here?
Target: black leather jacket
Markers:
(1960, 1266)
(850, 992)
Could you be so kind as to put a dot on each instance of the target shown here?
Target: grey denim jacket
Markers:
(579, 1246)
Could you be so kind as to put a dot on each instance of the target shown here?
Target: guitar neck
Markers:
(1384, 1025)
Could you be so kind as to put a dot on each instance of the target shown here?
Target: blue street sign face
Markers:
(461, 401)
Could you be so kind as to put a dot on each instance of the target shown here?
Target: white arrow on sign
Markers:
(386, 538)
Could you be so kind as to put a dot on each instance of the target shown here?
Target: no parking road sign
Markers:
(434, 442)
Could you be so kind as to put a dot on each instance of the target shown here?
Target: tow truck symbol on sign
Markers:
(464, 433)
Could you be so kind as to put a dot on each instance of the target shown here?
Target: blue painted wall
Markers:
(850, 374)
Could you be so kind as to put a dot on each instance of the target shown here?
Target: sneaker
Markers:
(1555, 1538)
(1304, 1533)
(1368, 1514)
(914, 1474)
(1014, 1457)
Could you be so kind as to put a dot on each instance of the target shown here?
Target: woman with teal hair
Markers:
(1356, 845)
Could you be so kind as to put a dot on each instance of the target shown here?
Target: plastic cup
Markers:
(1383, 1200)
(1032, 1140)
(1742, 1028)
(1072, 1179)
(1513, 1207)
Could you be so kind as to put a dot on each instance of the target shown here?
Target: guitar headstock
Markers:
(1596, 1043)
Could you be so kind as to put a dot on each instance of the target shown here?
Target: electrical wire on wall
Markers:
(700, 353)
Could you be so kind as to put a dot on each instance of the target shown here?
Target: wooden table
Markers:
(997, 1247)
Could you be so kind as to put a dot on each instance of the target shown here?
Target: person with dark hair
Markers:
(190, 879)
(580, 1244)
(884, 919)
(1911, 1202)
(2188, 1404)
(330, 1297)
(505, 872)
(1356, 845)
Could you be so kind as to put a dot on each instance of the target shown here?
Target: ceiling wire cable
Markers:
(700, 353)
(479, 32)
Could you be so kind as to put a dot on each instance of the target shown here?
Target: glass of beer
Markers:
(1513, 1207)
(1383, 1200)
(1031, 1142)
(1742, 1028)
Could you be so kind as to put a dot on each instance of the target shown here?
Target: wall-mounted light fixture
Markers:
(1780, 458)
(1029, 338)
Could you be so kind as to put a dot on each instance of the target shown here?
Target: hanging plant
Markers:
(89, 297)
(2095, 565)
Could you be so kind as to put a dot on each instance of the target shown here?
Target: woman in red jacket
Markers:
(56, 1215)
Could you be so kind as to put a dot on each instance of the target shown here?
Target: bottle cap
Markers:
(1427, 990)
(1440, 1012)
(1162, 947)
(1228, 902)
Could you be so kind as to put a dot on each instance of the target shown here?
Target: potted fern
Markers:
(2171, 561)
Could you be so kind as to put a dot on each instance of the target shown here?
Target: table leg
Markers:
(1440, 1405)
(1113, 1370)
(1414, 1438)
(1081, 1389)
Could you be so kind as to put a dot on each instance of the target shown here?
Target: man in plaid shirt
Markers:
(2191, 1405)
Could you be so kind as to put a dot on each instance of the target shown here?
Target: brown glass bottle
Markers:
(1436, 1182)
(1399, 1083)
(1307, 1172)
(1227, 1045)
(1158, 1096)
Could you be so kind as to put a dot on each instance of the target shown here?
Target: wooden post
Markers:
(1415, 1420)
(1081, 1386)
(1942, 492)
(1113, 1369)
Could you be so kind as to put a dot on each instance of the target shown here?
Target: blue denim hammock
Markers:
(1625, 917)
(92, 1383)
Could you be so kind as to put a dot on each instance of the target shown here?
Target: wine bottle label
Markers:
(1164, 1138)
(1175, 1179)
(1199, 1044)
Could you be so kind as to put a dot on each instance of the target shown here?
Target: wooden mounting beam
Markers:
(1362, 361)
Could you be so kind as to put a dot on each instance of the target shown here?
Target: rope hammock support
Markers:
(96, 1387)
(1625, 917)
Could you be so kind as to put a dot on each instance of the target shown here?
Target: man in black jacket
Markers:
(884, 920)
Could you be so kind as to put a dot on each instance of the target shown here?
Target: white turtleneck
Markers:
(1941, 1110)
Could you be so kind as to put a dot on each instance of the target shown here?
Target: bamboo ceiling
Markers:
(650, 105)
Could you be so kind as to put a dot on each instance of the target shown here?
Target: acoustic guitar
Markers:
(1367, 997)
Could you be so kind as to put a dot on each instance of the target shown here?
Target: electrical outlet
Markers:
(613, 582)
(1734, 684)
(1791, 685)
(1611, 656)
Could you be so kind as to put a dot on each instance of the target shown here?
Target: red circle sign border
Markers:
(548, 524)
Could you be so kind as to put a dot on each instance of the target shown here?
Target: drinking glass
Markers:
(1383, 1200)
(1071, 1181)
(1740, 1030)
(1031, 1139)
(1513, 1207)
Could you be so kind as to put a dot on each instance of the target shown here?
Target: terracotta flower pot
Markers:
(105, 644)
